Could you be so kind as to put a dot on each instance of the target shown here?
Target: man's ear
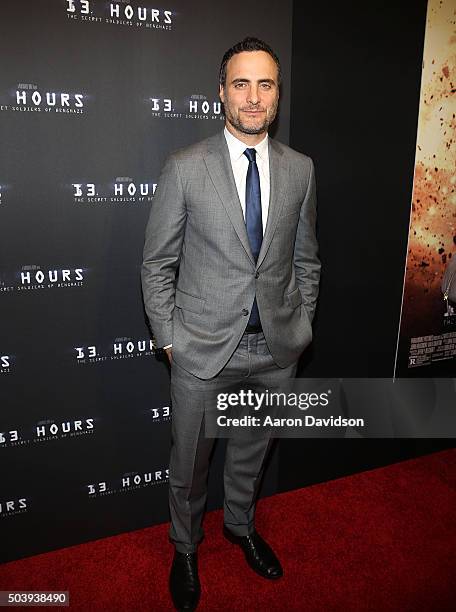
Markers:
(222, 94)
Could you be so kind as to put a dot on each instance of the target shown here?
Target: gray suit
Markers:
(196, 225)
(196, 221)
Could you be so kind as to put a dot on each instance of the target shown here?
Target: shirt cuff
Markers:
(167, 346)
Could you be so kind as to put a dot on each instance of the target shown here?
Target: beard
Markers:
(234, 118)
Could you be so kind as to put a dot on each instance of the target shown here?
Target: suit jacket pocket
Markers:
(188, 302)
(294, 298)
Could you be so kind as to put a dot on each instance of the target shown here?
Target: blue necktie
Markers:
(253, 218)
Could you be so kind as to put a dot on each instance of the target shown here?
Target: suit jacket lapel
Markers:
(278, 174)
(218, 164)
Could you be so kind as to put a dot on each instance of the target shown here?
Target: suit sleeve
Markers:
(162, 249)
(306, 261)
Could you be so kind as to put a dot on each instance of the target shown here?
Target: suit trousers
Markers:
(251, 363)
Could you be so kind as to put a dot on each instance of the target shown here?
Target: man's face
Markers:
(251, 92)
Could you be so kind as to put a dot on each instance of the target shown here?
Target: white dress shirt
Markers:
(240, 165)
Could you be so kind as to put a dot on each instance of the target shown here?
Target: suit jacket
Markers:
(196, 227)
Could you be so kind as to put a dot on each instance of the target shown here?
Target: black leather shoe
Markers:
(258, 553)
(184, 583)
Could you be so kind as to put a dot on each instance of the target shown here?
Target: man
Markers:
(236, 214)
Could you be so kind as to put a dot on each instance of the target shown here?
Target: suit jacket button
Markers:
(245, 312)
(257, 274)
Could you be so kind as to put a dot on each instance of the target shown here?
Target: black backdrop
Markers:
(93, 96)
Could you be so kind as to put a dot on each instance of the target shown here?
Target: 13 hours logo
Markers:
(121, 348)
(195, 107)
(124, 190)
(118, 13)
(30, 98)
(128, 482)
(35, 277)
(46, 430)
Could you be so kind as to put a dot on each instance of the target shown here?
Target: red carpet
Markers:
(381, 540)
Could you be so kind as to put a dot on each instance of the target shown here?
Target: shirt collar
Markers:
(237, 147)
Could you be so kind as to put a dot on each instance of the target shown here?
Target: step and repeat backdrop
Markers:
(93, 96)
(427, 341)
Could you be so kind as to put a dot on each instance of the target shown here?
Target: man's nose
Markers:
(253, 95)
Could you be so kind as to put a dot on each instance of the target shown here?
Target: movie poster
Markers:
(427, 334)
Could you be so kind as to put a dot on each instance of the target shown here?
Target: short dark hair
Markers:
(248, 44)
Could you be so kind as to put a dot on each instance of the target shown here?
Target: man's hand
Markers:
(169, 354)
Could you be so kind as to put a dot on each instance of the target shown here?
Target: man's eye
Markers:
(239, 85)
(266, 85)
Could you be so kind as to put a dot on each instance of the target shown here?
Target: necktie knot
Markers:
(250, 154)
